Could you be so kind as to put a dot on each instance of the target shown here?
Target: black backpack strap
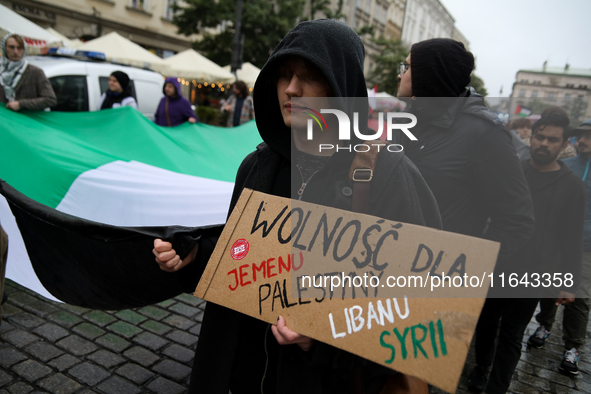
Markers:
(362, 172)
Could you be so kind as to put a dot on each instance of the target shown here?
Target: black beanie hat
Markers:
(122, 78)
(440, 67)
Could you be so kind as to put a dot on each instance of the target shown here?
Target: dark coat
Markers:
(557, 243)
(580, 166)
(236, 351)
(467, 158)
(33, 91)
(179, 108)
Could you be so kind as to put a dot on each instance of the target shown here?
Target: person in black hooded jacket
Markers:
(468, 160)
(237, 352)
(463, 151)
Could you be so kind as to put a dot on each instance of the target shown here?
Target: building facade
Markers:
(566, 87)
(409, 20)
(145, 22)
(425, 19)
(395, 19)
(149, 22)
(384, 15)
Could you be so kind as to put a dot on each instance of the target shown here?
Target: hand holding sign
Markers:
(285, 336)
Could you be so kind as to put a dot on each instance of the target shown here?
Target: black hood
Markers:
(441, 67)
(330, 45)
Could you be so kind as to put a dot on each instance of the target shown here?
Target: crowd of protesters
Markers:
(25, 86)
(466, 173)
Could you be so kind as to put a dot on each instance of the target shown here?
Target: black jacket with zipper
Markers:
(467, 158)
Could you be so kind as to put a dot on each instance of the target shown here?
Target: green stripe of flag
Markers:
(42, 153)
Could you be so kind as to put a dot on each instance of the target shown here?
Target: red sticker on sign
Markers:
(239, 249)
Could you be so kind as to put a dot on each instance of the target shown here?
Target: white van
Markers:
(79, 84)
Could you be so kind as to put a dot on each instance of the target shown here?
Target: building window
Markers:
(567, 97)
(139, 4)
(551, 96)
(522, 93)
(169, 13)
(367, 5)
(534, 93)
(359, 4)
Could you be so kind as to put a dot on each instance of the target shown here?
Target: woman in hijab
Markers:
(119, 93)
(22, 85)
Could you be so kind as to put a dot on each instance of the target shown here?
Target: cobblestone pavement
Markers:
(537, 371)
(49, 347)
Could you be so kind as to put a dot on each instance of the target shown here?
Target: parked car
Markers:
(79, 83)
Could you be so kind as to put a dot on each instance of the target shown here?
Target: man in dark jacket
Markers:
(554, 251)
(576, 314)
(22, 85)
(465, 155)
(317, 58)
(173, 109)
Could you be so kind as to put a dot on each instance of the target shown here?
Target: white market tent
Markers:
(248, 73)
(192, 65)
(34, 35)
(121, 50)
(68, 43)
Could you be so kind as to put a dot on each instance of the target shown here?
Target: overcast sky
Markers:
(509, 35)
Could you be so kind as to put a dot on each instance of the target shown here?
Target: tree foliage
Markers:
(576, 110)
(478, 84)
(323, 6)
(535, 104)
(264, 24)
(385, 72)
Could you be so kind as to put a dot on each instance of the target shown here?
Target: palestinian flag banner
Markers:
(85, 194)
(522, 111)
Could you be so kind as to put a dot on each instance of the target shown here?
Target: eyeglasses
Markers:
(404, 66)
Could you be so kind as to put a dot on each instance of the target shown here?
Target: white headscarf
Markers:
(11, 71)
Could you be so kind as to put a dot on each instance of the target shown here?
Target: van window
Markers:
(104, 84)
(71, 92)
(147, 90)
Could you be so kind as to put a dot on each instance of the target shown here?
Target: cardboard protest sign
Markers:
(278, 256)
